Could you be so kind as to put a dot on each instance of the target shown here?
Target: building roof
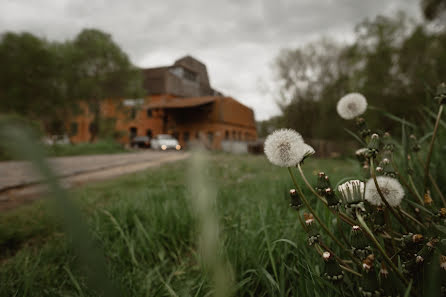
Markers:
(181, 102)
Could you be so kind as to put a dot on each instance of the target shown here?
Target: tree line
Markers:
(394, 61)
(44, 81)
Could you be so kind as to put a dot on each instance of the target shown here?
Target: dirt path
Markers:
(20, 184)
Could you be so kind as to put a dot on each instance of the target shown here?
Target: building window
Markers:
(73, 128)
(133, 113)
(247, 136)
(190, 75)
(133, 132)
(226, 135)
(210, 138)
(239, 135)
(186, 136)
(234, 135)
(149, 133)
(197, 135)
(149, 113)
(93, 128)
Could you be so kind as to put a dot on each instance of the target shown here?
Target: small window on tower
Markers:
(149, 113)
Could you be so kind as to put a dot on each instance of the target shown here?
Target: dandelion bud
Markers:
(443, 262)
(414, 144)
(295, 201)
(360, 245)
(361, 154)
(313, 234)
(440, 96)
(387, 281)
(332, 200)
(427, 198)
(386, 168)
(373, 146)
(388, 145)
(323, 183)
(369, 283)
(378, 219)
(411, 244)
(364, 131)
(332, 270)
(440, 216)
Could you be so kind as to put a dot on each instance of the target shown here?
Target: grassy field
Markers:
(147, 228)
(80, 149)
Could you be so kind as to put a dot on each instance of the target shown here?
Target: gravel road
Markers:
(19, 182)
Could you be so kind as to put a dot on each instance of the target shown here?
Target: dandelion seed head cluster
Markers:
(352, 190)
(390, 187)
(351, 106)
(286, 148)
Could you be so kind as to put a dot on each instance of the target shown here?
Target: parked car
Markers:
(165, 142)
(140, 141)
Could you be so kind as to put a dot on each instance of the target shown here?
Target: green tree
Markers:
(101, 70)
(30, 81)
(393, 61)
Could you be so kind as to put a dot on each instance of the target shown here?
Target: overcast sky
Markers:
(236, 39)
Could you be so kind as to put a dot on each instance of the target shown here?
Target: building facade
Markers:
(180, 101)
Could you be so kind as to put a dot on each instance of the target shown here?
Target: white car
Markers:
(165, 142)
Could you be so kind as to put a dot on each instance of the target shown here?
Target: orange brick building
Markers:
(180, 102)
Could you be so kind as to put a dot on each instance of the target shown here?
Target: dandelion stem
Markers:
(338, 223)
(389, 228)
(411, 217)
(373, 174)
(340, 214)
(410, 187)
(302, 222)
(431, 147)
(310, 209)
(433, 182)
(380, 248)
(418, 194)
(337, 258)
(350, 270)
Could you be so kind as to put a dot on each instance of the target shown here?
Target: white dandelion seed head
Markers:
(352, 191)
(286, 148)
(308, 150)
(390, 187)
(351, 105)
(361, 151)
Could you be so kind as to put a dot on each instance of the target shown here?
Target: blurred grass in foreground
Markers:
(145, 225)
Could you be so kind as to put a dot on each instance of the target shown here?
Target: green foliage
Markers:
(30, 80)
(45, 81)
(105, 146)
(102, 71)
(393, 52)
(147, 229)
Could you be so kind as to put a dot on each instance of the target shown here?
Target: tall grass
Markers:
(147, 228)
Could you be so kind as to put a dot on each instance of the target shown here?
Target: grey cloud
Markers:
(236, 39)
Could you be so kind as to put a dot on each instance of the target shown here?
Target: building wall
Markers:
(210, 123)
